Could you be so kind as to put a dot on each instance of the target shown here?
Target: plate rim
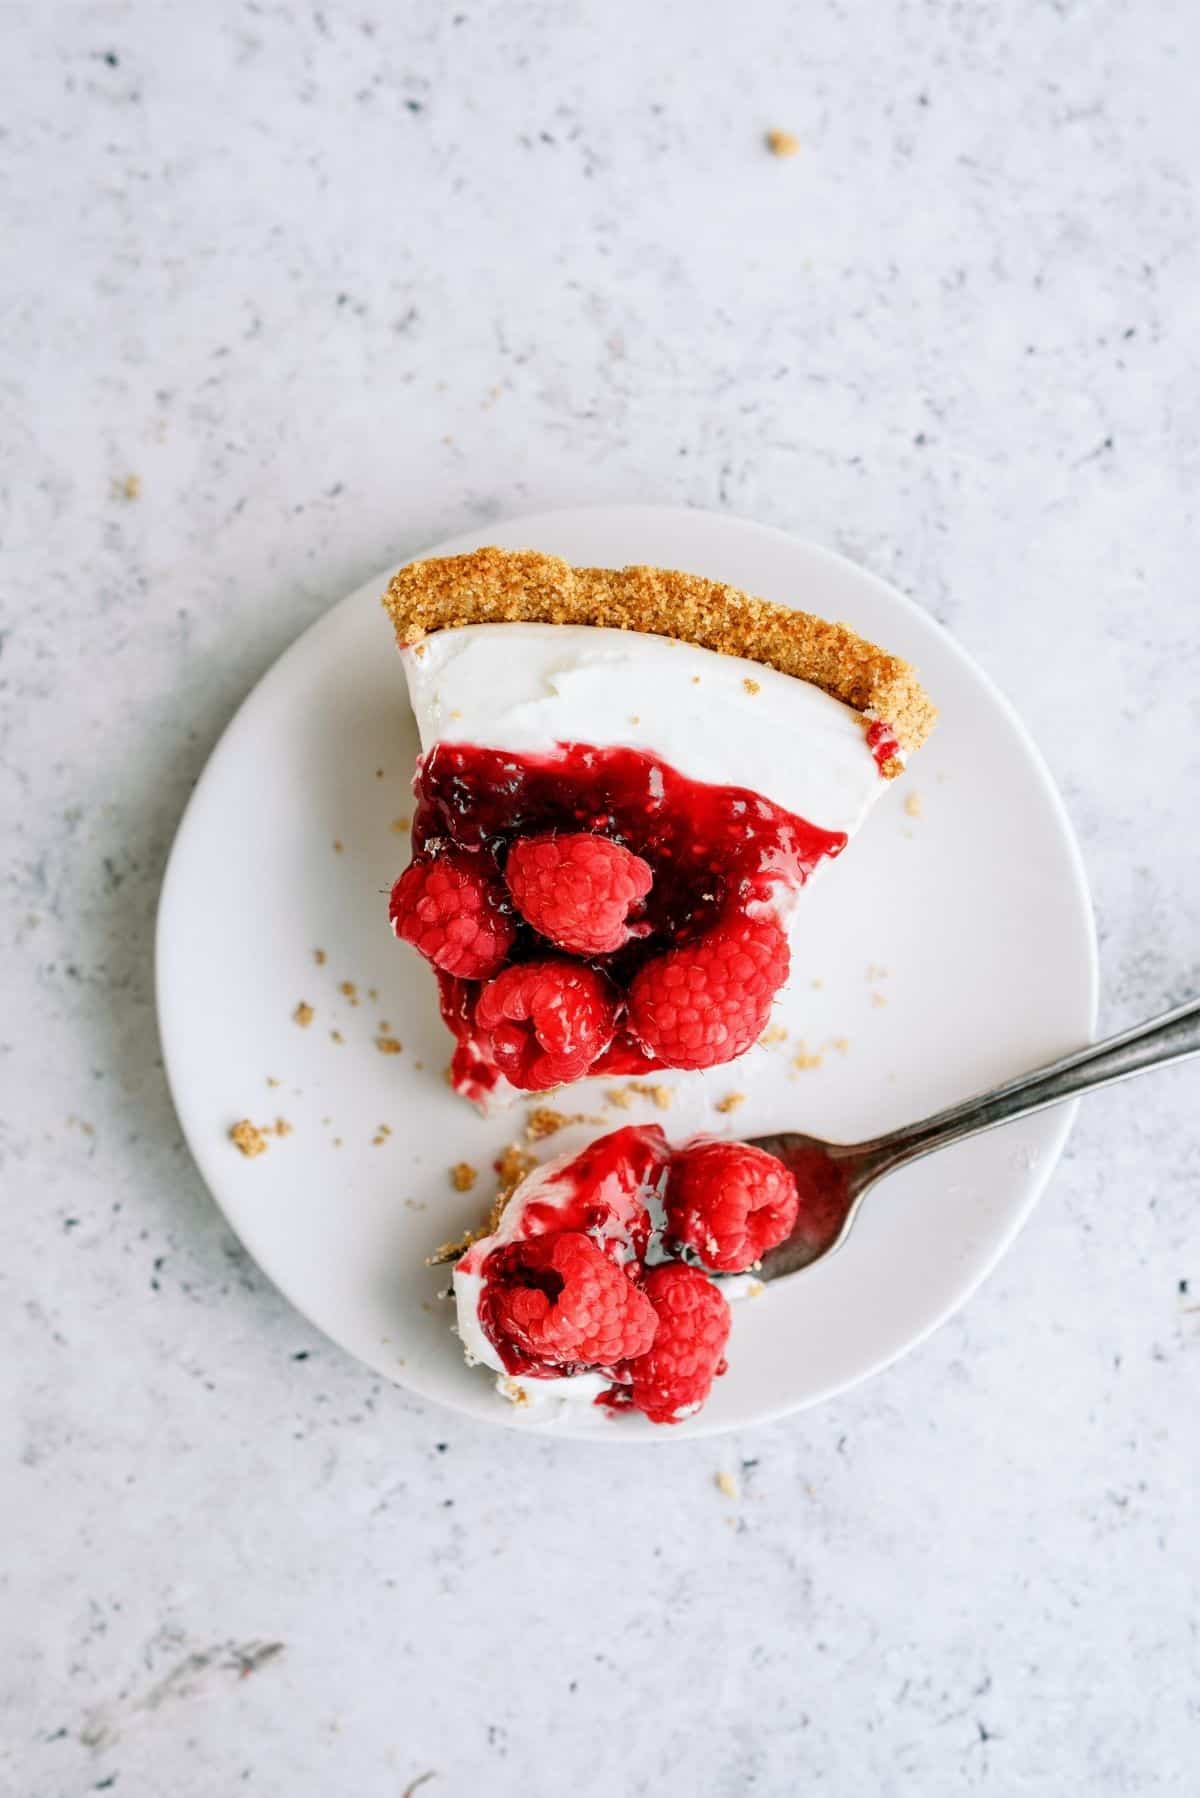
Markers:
(1048, 1159)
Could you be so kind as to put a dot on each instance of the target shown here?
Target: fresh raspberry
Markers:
(547, 1021)
(452, 908)
(562, 1301)
(675, 1376)
(578, 890)
(708, 1000)
(730, 1203)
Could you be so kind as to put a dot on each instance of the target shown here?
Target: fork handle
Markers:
(1173, 1036)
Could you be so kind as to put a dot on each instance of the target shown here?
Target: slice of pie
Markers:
(626, 777)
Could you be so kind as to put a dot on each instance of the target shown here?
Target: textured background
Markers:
(331, 282)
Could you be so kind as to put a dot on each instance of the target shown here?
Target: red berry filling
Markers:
(578, 890)
(663, 890)
(729, 1203)
(546, 1022)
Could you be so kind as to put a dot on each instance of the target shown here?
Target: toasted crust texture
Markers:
(500, 586)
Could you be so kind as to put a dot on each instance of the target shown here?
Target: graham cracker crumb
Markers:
(372, 992)
(338, 846)
(695, 680)
(774, 1033)
(752, 686)
(875, 972)
(337, 1142)
(912, 803)
(303, 1014)
(727, 1485)
(543, 1121)
(782, 143)
(282, 1127)
(271, 1080)
(385, 1129)
(730, 1102)
(840, 1043)
(336, 1036)
(130, 488)
(377, 1140)
(379, 773)
(418, 1065)
(755, 1289)
(349, 991)
(802, 1060)
(878, 999)
(400, 825)
(616, 1095)
(816, 985)
(463, 1176)
(319, 957)
(513, 1165)
(513, 1390)
(388, 1045)
(248, 1137)
(663, 1096)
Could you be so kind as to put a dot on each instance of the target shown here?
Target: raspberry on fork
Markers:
(706, 1001)
(547, 1021)
(674, 1377)
(577, 889)
(452, 908)
(730, 1203)
(559, 1300)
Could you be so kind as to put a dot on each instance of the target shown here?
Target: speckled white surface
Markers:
(332, 282)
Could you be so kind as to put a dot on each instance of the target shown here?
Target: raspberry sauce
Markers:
(713, 850)
(883, 743)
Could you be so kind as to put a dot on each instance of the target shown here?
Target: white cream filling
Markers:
(713, 718)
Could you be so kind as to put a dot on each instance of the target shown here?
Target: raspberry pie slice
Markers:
(626, 777)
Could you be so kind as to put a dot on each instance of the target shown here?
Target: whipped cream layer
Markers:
(712, 717)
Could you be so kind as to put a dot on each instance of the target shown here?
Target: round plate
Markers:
(951, 947)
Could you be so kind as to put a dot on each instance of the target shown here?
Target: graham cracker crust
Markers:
(500, 586)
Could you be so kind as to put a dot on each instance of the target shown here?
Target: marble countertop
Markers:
(290, 291)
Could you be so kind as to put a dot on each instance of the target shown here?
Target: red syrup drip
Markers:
(883, 743)
(712, 849)
(601, 1192)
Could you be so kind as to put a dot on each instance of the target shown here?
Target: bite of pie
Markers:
(626, 778)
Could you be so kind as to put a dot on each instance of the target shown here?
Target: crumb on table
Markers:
(730, 1102)
(463, 1176)
(248, 1137)
(803, 1060)
(338, 846)
(400, 825)
(349, 991)
(782, 143)
(752, 686)
(774, 1033)
(726, 1483)
(319, 957)
(388, 1045)
(282, 1127)
(303, 1014)
(616, 1095)
(336, 1036)
(912, 803)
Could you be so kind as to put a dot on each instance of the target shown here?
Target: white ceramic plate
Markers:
(945, 952)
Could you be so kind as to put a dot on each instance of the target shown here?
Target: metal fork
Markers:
(835, 1178)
